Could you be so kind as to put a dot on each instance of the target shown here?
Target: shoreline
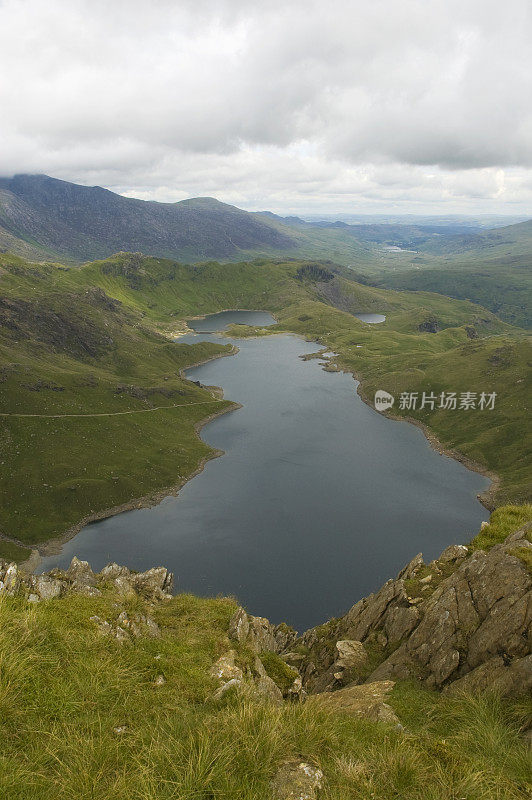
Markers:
(54, 546)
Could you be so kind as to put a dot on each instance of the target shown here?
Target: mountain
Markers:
(493, 268)
(48, 218)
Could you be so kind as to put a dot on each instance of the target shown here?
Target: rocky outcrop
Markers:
(259, 634)
(154, 584)
(463, 621)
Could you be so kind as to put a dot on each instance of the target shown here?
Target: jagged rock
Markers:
(265, 686)
(297, 780)
(155, 583)
(482, 610)
(46, 588)
(239, 626)
(366, 700)
(496, 675)
(259, 634)
(412, 567)
(455, 552)
(225, 668)
(113, 570)
(400, 621)
(80, 574)
(477, 606)
(351, 654)
(124, 586)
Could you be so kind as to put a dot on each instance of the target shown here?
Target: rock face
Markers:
(259, 634)
(462, 622)
(154, 584)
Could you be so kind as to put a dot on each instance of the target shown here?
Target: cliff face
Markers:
(462, 622)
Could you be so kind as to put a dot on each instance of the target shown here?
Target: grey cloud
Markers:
(276, 101)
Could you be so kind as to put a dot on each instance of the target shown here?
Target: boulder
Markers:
(366, 700)
(297, 780)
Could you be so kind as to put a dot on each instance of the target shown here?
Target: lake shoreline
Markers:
(54, 546)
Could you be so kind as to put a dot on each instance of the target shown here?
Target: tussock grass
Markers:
(80, 717)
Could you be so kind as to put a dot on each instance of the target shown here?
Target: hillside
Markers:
(492, 268)
(114, 688)
(80, 223)
(87, 341)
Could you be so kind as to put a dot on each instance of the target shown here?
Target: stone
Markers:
(155, 583)
(351, 654)
(234, 683)
(265, 686)
(11, 579)
(239, 626)
(159, 680)
(296, 692)
(412, 567)
(112, 571)
(46, 587)
(496, 675)
(80, 573)
(123, 586)
(297, 780)
(454, 552)
(365, 700)
(225, 668)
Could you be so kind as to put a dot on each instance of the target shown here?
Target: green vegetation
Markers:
(87, 341)
(85, 716)
(491, 268)
(503, 521)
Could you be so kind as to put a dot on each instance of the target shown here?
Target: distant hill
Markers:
(505, 242)
(493, 268)
(43, 217)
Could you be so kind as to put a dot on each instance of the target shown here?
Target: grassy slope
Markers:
(74, 467)
(81, 715)
(493, 268)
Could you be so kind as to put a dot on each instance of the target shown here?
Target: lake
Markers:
(317, 501)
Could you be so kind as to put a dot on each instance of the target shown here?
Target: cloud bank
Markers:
(299, 106)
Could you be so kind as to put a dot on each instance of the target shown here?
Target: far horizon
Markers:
(351, 216)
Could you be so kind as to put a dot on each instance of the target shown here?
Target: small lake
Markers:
(373, 319)
(317, 501)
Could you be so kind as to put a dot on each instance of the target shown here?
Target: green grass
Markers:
(65, 689)
(503, 522)
(67, 348)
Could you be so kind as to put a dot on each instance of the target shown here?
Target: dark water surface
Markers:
(317, 501)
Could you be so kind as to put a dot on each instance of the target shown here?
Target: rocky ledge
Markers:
(464, 621)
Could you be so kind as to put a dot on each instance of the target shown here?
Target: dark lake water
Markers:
(317, 501)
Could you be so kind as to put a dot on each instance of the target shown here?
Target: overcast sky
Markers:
(338, 106)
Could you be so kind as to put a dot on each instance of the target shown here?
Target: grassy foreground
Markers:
(84, 716)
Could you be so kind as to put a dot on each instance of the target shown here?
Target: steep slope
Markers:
(81, 223)
(114, 688)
